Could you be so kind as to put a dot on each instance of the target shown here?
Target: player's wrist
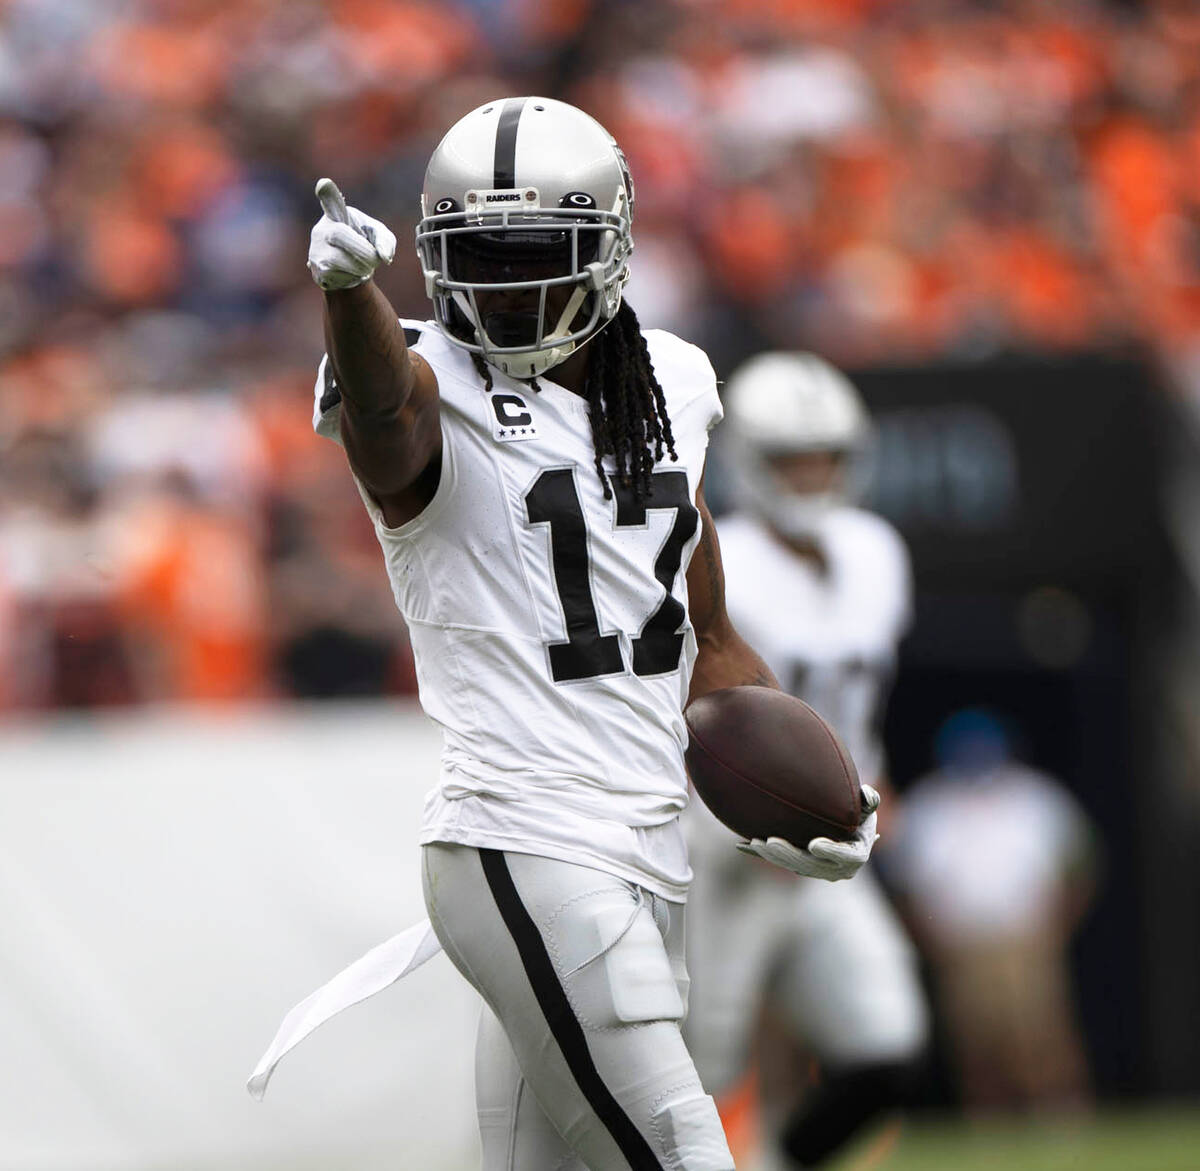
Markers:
(348, 294)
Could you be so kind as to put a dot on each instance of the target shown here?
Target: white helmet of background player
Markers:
(525, 232)
(781, 405)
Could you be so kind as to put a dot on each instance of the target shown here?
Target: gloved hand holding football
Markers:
(776, 774)
(346, 246)
(826, 858)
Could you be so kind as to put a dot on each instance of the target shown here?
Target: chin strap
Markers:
(568, 314)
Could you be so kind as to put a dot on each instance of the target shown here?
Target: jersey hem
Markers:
(671, 892)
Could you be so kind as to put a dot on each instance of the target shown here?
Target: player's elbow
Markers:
(715, 639)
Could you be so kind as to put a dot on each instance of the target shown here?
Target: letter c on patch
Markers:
(511, 410)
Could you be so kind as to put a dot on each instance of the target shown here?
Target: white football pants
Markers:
(580, 1062)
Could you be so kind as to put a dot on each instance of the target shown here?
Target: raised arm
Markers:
(724, 659)
(389, 417)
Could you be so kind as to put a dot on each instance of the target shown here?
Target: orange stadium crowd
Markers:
(879, 180)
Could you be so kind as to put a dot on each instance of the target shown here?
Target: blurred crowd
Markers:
(878, 180)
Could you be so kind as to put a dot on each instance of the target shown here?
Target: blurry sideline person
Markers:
(61, 641)
(995, 923)
(822, 588)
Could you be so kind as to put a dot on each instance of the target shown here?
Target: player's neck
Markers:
(571, 374)
(807, 549)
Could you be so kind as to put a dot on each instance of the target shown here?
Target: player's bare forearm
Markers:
(367, 348)
(724, 658)
(728, 661)
(389, 414)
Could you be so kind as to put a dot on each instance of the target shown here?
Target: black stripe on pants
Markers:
(564, 1026)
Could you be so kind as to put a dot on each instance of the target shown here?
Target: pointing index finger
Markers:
(333, 203)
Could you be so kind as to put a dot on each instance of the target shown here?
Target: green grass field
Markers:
(1152, 1140)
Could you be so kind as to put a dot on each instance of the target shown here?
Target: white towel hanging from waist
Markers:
(381, 967)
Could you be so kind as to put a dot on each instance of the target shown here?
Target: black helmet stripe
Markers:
(506, 144)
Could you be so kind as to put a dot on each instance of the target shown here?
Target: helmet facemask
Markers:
(799, 513)
(523, 286)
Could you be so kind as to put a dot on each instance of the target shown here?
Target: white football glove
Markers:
(346, 246)
(824, 857)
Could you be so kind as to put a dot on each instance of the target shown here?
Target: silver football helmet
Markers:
(524, 197)
(780, 404)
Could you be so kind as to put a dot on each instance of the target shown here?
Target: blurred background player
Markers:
(996, 930)
(823, 587)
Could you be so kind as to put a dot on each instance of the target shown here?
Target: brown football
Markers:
(768, 766)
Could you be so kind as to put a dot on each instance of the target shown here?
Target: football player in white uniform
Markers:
(821, 588)
(532, 462)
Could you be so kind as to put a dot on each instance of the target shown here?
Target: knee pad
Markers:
(686, 1123)
(612, 961)
(841, 1105)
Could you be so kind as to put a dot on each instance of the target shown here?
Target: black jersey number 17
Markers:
(554, 500)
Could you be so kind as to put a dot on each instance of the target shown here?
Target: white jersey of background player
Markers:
(822, 590)
(532, 462)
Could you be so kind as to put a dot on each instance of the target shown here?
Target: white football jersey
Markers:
(549, 625)
(830, 636)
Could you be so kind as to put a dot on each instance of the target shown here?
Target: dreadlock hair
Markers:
(626, 404)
